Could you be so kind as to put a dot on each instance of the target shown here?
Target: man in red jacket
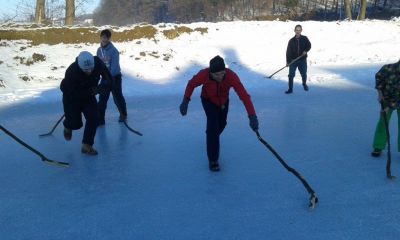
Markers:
(217, 81)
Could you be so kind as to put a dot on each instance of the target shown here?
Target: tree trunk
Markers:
(337, 10)
(347, 9)
(69, 12)
(39, 12)
(363, 9)
(273, 6)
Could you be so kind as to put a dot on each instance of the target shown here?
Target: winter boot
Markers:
(214, 166)
(305, 87)
(289, 91)
(87, 149)
(376, 152)
(67, 134)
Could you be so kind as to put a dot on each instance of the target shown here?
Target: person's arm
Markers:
(69, 85)
(196, 81)
(248, 104)
(380, 83)
(98, 52)
(308, 44)
(243, 95)
(380, 76)
(106, 78)
(114, 63)
(288, 54)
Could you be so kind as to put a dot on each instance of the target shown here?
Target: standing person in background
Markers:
(79, 88)
(110, 56)
(298, 46)
(387, 82)
(217, 81)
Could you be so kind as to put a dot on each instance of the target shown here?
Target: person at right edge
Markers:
(217, 81)
(110, 56)
(298, 46)
(387, 82)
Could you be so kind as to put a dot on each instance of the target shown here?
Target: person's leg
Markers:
(223, 115)
(292, 74)
(90, 113)
(380, 134)
(118, 97)
(302, 64)
(73, 117)
(102, 106)
(212, 132)
(398, 130)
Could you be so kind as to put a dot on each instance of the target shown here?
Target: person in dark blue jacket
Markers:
(110, 56)
(79, 88)
(298, 46)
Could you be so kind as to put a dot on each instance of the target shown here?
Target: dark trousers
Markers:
(73, 117)
(302, 66)
(119, 99)
(216, 122)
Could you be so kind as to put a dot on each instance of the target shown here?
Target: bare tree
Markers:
(69, 12)
(347, 9)
(40, 11)
(122, 12)
(363, 9)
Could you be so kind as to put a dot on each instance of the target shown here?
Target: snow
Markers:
(159, 187)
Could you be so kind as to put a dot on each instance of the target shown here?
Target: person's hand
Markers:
(386, 106)
(253, 122)
(100, 89)
(184, 106)
(304, 53)
(93, 91)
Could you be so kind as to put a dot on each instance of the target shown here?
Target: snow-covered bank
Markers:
(162, 66)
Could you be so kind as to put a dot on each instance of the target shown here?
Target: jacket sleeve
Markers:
(98, 52)
(106, 78)
(114, 63)
(288, 53)
(308, 44)
(71, 88)
(380, 77)
(243, 95)
(196, 81)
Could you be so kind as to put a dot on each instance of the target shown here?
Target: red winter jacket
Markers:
(218, 93)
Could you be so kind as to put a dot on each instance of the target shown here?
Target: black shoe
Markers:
(376, 152)
(214, 166)
(102, 122)
(305, 87)
(289, 91)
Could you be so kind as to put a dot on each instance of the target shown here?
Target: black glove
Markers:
(93, 91)
(253, 122)
(184, 106)
(102, 89)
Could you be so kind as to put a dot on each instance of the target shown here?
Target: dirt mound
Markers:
(54, 36)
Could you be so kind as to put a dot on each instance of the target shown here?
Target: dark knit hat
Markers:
(217, 64)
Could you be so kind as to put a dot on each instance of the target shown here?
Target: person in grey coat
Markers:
(110, 56)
